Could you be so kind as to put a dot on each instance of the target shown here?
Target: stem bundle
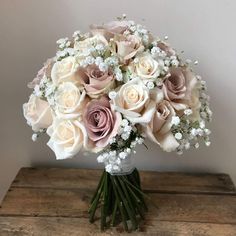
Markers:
(121, 200)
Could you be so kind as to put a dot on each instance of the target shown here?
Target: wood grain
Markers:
(50, 226)
(75, 203)
(151, 181)
(53, 201)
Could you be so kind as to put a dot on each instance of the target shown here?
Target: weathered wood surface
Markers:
(53, 201)
(151, 181)
(54, 226)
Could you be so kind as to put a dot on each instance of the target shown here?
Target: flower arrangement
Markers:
(107, 91)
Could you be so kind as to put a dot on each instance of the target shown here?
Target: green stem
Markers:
(104, 204)
(127, 207)
(99, 185)
(111, 200)
(120, 205)
(137, 197)
(114, 213)
(138, 202)
(136, 173)
(94, 205)
(129, 203)
(137, 189)
(121, 198)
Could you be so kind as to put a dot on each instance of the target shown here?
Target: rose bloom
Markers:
(146, 67)
(64, 70)
(44, 71)
(158, 129)
(132, 100)
(110, 29)
(127, 47)
(69, 101)
(194, 103)
(181, 89)
(166, 48)
(67, 137)
(101, 123)
(38, 113)
(95, 81)
(85, 45)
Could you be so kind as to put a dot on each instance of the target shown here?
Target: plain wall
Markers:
(205, 30)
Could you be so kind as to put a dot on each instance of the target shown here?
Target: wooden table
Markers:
(51, 201)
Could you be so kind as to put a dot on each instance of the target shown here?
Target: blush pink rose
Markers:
(158, 129)
(127, 47)
(44, 71)
(95, 81)
(166, 48)
(110, 29)
(179, 87)
(101, 122)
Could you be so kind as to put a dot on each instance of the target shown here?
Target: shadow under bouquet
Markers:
(107, 91)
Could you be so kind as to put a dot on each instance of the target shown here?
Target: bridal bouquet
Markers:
(107, 91)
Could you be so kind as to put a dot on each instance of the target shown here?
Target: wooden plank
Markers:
(75, 202)
(173, 182)
(44, 226)
(46, 202)
(57, 178)
(152, 181)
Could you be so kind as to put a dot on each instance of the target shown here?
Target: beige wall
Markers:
(204, 29)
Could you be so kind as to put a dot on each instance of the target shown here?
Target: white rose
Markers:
(67, 137)
(69, 101)
(146, 67)
(38, 113)
(132, 100)
(85, 45)
(64, 70)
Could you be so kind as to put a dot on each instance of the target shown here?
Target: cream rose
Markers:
(127, 47)
(64, 70)
(69, 101)
(146, 67)
(158, 129)
(38, 113)
(67, 137)
(85, 45)
(132, 100)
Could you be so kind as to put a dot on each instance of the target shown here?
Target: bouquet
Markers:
(107, 91)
